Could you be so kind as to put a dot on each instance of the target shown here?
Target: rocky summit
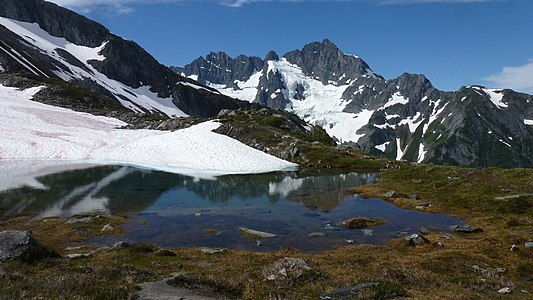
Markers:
(402, 118)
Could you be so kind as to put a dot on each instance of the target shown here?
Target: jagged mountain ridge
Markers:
(46, 40)
(402, 118)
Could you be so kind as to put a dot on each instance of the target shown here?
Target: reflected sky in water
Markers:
(176, 210)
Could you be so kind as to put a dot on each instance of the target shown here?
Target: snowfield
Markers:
(35, 131)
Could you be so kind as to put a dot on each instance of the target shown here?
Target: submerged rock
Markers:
(359, 223)
(21, 244)
(466, 228)
(256, 233)
(316, 234)
(424, 230)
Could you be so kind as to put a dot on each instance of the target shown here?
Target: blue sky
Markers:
(452, 42)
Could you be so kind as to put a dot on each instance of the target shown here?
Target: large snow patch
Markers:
(32, 130)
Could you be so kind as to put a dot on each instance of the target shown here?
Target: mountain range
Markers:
(403, 118)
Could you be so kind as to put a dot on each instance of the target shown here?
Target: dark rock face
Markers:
(219, 68)
(270, 90)
(202, 103)
(130, 64)
(54, 19)
(325, 62)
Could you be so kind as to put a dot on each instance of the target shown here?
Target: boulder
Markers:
(416, 240)
(466, 228)
(21, 244)
(287, 268)
(425, 205)
(390, 194)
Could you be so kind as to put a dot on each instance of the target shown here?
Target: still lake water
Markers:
(176, 210)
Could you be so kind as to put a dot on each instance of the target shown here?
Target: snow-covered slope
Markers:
(32, 130)
(139, 99)
(402, 118)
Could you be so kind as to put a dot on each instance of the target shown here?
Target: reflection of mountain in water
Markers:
(108, 189)
(127, 190)
(322, 192)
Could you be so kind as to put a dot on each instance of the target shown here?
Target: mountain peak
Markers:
(272, 55)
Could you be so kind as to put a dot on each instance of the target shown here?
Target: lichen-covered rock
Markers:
(287, 268)
(20, 244)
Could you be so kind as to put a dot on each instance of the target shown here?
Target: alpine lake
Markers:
(303, 211)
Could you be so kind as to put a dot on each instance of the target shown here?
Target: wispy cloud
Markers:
(125, 6)
(399, 2)
(518, 78)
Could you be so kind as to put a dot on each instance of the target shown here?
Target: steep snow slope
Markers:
(31, 130)
(137, 99)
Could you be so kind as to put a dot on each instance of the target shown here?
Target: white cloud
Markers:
(114, 6)
(124, 6)
(517, 78)
(393, 2)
